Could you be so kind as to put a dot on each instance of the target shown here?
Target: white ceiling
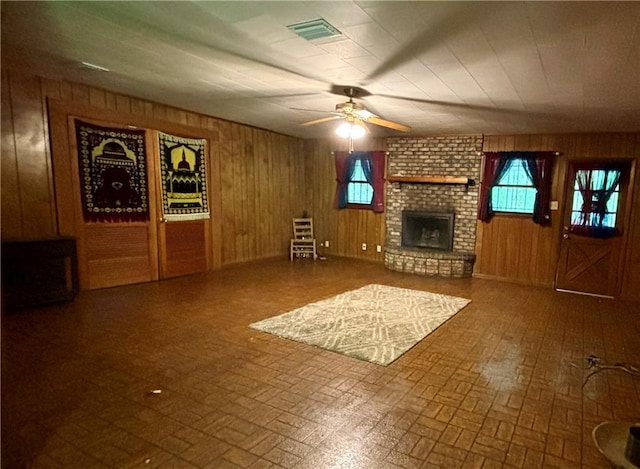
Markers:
(461, 67)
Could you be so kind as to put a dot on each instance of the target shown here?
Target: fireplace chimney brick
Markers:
(441, 156)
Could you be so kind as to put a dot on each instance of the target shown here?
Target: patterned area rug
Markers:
(376, 323)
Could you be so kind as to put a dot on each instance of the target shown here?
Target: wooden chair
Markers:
(303, 244)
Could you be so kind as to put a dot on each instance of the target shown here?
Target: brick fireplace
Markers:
(434, 177)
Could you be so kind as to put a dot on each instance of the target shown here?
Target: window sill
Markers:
(360, 206)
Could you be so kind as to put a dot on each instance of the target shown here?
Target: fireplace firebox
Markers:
(427, 230)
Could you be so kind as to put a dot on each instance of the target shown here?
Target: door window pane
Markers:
(596, 191)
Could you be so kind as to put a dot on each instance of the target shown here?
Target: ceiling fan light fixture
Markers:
(350, 130)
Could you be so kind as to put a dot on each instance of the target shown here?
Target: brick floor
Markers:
(498, 385)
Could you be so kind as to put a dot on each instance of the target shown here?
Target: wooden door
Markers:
(183, 245)
(112, 252)
(589, 261)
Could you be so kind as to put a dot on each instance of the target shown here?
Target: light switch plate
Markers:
(553, 205)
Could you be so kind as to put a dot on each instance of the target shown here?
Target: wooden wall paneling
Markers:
(326, 201)
(239, 209)
(11, 206)
(188, 241)
(252, 188)
(238, 187)
(35, 176)
(270, 239)
(537, 264)
(317, 185)
(280, 212)
(284, 206)
(160, 112)
(259, 242)
(269, 194)
(345, 229)
(246, 203)
(299, 181)
(66, 196)
(154, 186)
(528, 246)
(80, 93)
(109, 248)
(227, 195)
(261, 148)
(98, 98)
(50, 88)
(194, 120)
(176, 116)
(66, 179)
(215, 192)
(490, 257)
(631, 262)
(253, 219)
(138, 107)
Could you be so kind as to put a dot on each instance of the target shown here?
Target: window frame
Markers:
(357, 205)
(344, 165)
(541, 167)
(521, 161)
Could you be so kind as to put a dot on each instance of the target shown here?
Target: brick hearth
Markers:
(433, 156)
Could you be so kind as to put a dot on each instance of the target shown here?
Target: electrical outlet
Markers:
(326, 244)
(364, 246)
(378, 248)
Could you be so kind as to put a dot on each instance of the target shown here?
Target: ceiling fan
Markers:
(356, 115)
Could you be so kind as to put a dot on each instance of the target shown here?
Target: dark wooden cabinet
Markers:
(38, 271)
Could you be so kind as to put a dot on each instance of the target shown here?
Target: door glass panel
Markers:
(595, 204)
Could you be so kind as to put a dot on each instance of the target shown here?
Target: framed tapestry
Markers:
(113, 174)
(183, 178)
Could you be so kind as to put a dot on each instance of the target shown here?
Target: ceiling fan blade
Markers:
(460, 17)
(365, 126)
(465, 106)
(319, 121)
(389, 124)
(196, 40)
(309, 110)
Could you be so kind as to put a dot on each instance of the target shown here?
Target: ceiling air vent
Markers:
(314, 29)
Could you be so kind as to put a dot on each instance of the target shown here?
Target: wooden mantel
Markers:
(432, 180)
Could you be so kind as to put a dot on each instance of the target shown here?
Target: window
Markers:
(516, 182)
(598, 183)
(360, 180)
(595, 201)
(359, 191)
(514, 192)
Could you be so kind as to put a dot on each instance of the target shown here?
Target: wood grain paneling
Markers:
(345, 229)
(185, 246)
(29, 185)
(513, 248)
(11, 207)
(256, 177)
(107, 249)
(260, 180)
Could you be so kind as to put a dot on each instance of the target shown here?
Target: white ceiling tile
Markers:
(367, 35)
(557, 66)
(344, 49)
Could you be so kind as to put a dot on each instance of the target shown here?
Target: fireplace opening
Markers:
(427, 230)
